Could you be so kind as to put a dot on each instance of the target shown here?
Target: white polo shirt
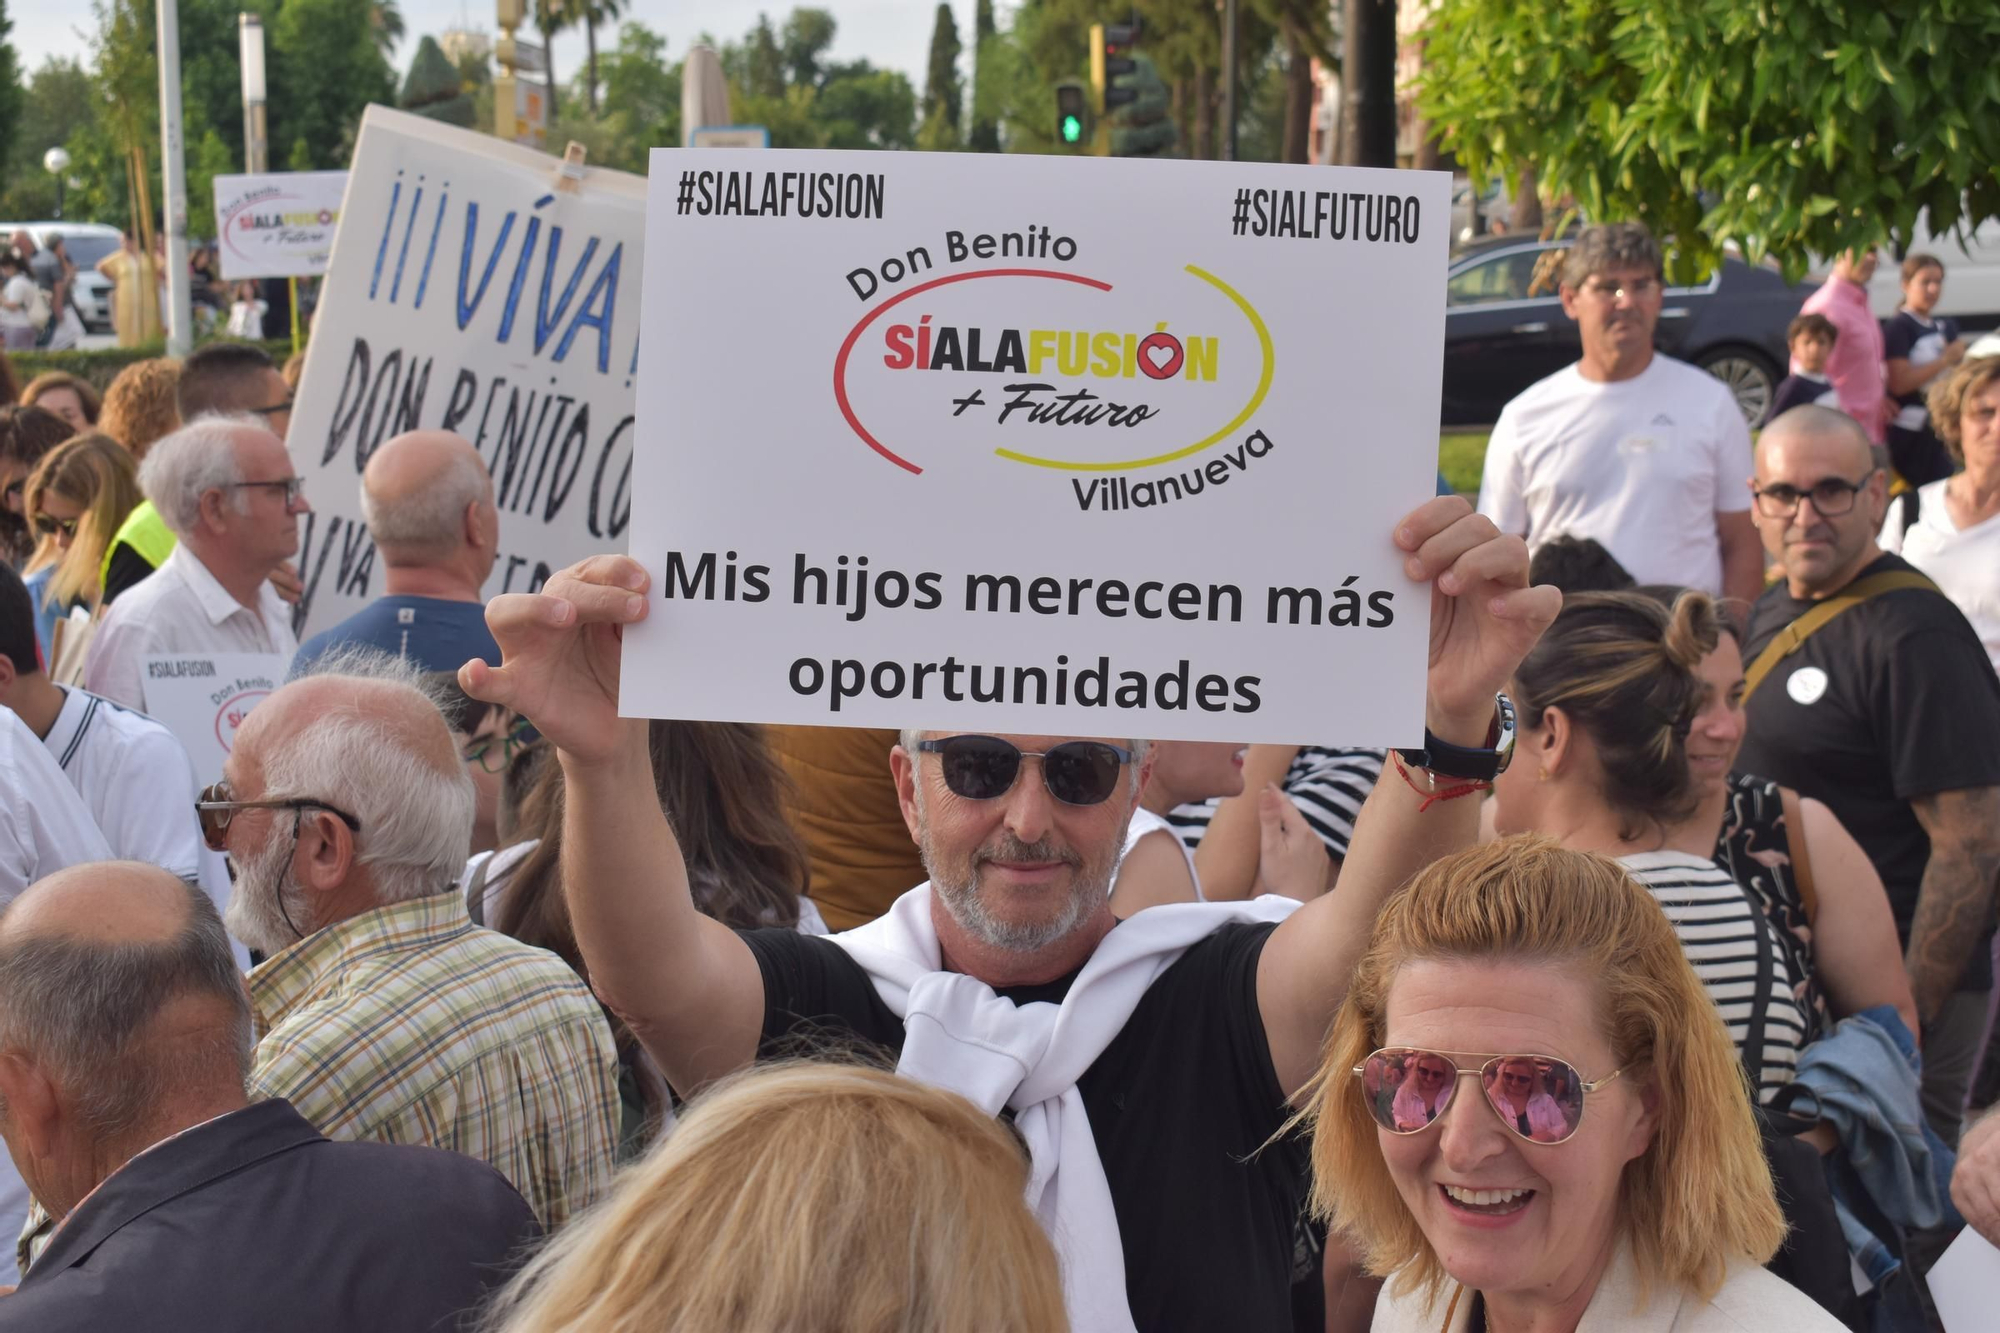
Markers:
(44, 824)
(136, 779)
(44, 828)
(180, 608)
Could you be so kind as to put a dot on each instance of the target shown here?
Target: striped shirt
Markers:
(1328, 786)
(409, 1024)
(1713, 918)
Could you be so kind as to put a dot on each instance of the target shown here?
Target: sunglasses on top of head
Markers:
(983, 768)
(1538, 1097)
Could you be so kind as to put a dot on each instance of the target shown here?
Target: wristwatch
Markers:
(1456, 761)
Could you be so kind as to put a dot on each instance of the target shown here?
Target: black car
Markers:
(1505, 327)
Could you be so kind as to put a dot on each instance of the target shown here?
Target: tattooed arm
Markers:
(1955, 901)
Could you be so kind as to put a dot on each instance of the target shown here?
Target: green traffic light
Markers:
(1072, 129)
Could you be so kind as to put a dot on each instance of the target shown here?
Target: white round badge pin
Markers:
(1806, 685)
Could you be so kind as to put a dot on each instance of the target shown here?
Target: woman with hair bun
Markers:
(1605, 703)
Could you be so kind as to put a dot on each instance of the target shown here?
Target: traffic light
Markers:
(1072, 113)
(1111, 56)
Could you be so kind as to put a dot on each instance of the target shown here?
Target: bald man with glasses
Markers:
(1880, 700)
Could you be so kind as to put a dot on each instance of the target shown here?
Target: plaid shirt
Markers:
(409, 1024)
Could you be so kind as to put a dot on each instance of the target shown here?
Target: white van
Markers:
(1971, 274)
(85, 243)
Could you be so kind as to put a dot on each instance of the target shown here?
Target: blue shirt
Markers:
(45, 616)
(436, 634)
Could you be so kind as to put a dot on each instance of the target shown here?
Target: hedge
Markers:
(101, 365)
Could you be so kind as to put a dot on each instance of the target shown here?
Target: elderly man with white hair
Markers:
(382, 1012)
(226, 486)
(429, 505)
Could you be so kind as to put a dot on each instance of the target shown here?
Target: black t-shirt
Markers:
(1797, 389)
(1180, 1103)
(1891, 700)
(1901, 333)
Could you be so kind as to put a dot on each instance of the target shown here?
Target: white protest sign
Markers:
(1964, 1281)
(203, 698)
(470, 291)
(1037, 444)
(277, 225)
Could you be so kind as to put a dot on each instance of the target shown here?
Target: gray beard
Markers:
(253, 915)
(962, 901)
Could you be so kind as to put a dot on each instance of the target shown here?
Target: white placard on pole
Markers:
(277, 225)
(472, 288)
(1037, 444)
(203, 698)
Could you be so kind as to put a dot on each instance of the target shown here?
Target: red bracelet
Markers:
(1435, 793)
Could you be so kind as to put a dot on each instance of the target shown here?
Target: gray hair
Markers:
(190, 462)
(1608, 245)
(909, 736)
(416, 822)
(426, 523)
(82, 1009)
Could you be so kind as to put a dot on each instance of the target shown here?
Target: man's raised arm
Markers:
(1484, 619)
(688, 987)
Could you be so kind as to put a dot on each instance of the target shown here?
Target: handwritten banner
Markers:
(277, 225)
(1035, 444)
(473, 289)
(204, 698)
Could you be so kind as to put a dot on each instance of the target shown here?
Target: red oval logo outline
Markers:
(854, 336)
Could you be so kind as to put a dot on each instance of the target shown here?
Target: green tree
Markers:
(595, 12)
(329, 68)
(551, 17)
(984, 136)
(788, 86)
(434, 87)
(385, 20)
(13, 149)
(641, 106)
(802, 47)
(1794, 131)
(944, 93)
(59, 102)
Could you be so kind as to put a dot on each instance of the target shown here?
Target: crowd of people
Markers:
(457, 996)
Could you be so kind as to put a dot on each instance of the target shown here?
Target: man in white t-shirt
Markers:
(1642, 452)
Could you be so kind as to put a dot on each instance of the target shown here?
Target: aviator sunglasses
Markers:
(981, 768)
(216, 809)
(1538, 1097)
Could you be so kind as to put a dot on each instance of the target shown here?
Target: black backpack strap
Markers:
(1753, 1037)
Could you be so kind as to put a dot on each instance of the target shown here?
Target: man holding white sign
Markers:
(1165, 1052)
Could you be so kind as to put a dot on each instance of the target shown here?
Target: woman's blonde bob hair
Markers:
(806, 1195)
(1698, 1198)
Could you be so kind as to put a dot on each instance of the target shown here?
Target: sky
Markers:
(894, 34)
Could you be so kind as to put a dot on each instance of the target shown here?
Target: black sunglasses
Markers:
(49, 527)
(981, 768)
